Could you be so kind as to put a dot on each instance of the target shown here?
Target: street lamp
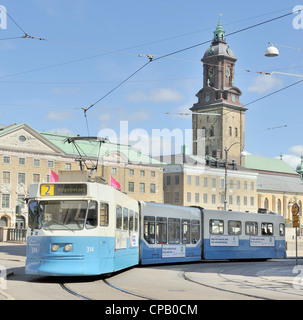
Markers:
(271, 51)
(226, 165)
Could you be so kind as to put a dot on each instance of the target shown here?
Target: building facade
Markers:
(195, 183)
(28, 156)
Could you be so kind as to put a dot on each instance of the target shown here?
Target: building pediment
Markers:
(23, 138)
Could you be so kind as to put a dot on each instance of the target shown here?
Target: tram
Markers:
(91, 228)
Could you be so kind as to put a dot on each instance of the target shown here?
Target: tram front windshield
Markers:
(62, 214)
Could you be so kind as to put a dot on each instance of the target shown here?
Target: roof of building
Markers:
(279, 183)
(268, 164)
(90, 148)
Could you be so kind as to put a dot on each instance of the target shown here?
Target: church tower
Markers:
(218, 111)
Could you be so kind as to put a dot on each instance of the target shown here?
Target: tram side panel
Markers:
(241, 235)
(126, 220)
(169, 233)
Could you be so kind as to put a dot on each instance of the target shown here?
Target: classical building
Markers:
(218, 115)
(194, 181)
(28, 156)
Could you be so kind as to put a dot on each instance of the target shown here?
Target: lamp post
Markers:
(226, 165)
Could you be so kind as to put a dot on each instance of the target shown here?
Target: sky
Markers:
(95, 53)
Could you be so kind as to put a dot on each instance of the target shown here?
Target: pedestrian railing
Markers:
(16, 235)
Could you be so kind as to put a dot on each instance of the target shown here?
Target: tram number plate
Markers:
(90, 249)
(47, 190)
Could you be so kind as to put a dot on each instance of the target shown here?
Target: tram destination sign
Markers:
(64, 189)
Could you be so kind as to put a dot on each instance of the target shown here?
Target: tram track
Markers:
(107, 283)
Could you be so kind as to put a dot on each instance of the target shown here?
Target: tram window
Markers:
(173, 230)
(34, 219)
(234, 227)
(149, 229)
(131, 220)
(195, 231)
(185, 231)
(251, 228)
(267, 229)
(282, 229)
(161, 230)
(125, 219)
(92, 215)
(216, 226)
(103, 214)
(119, 217)
(136, 221)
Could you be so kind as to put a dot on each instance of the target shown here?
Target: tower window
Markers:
(236, 132)
(230, 131)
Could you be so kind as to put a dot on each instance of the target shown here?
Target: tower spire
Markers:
(219, 33)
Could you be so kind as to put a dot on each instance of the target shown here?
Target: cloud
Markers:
(156, 95)
(58, 116)
(293, 159)
(264, 83)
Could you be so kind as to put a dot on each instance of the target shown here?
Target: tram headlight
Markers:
(55, 247)
(68, 247)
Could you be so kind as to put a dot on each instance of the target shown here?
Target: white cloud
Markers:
(156, 95)
(264, 83)
(58, 116)
(293, 159)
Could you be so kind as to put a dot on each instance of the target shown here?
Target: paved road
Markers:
(274, 279)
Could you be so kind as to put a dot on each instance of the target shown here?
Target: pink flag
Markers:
(114, 183)
(54, 176)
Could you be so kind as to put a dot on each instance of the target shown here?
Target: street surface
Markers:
(248, 280)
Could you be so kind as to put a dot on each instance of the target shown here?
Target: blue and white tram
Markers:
(242, 235)
(81, 229)
(170, 233)
(90, 228)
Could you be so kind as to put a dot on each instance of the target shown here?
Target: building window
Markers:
(21, 178)
(189, 180)
(131, 172)
(236, 132)
(176, 197)
(36, 178)
(222, 184)
(152, 188)
(142, 187)
(213, 182)
(197, 181)
(50, 163)
(36, 162)
(252, 185)
(5, 201)
(197, 198)
(230, 199)
(213, 199)
(177, 180)
(245, 185)
(230, 131)
(152, 174)
(6, 159)
(245, 200)
(21, 161)
(131, 187)
(142, 173)
(205, 197)
(68, 166)
(114, 171)
(6, 177)
(238, 184)
(168, 180)
(252, 201)
(188, 197)
(205, 182)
